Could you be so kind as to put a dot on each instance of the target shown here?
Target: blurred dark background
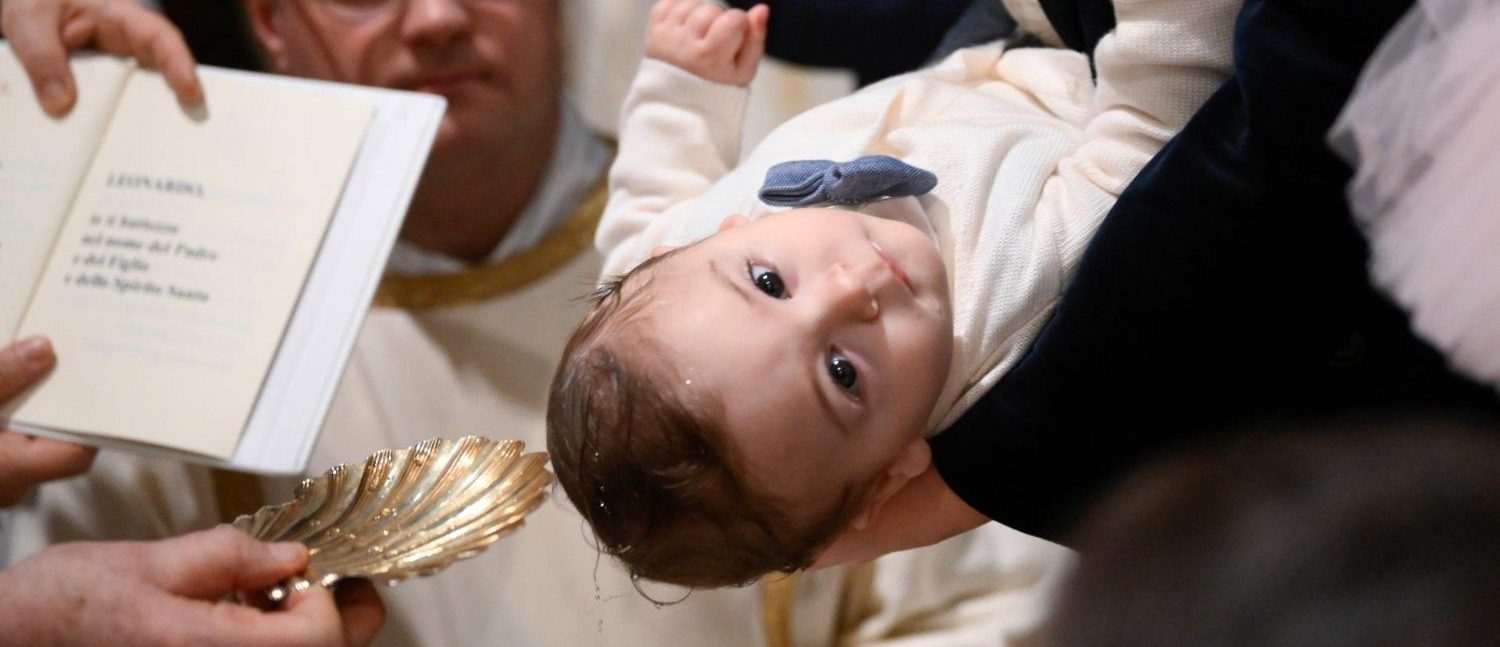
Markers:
(216, 31)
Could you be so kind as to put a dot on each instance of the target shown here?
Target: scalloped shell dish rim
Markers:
(405, 512)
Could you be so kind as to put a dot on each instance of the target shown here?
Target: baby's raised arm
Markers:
(720, 45)
(681, 123)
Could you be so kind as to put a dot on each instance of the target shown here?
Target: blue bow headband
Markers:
(805, 183)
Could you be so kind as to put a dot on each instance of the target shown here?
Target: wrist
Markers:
(697, 74)
(683, 84)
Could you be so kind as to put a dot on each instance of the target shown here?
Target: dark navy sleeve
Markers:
(880, 38)
(1226, 287)
(1080, 23)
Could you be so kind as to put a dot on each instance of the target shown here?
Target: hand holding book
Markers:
(203, 273)
(26, 461)
(119, 27)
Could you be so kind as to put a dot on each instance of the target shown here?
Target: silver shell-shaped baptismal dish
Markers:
(405, 512)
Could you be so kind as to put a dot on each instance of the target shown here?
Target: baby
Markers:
(761, 379)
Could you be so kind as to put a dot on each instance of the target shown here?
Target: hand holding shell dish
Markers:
(405, 512)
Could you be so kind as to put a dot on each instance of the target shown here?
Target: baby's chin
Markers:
(908, 214)
(906, 211)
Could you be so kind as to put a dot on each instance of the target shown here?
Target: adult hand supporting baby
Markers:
(42, 32)
(25, 460)
(922, 513)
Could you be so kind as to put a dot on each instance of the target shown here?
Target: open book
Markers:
(202, 277)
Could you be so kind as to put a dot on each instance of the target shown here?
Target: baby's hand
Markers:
(721, 45)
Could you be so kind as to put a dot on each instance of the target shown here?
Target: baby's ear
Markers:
(661, 249)
(912, 461)
(733, 221)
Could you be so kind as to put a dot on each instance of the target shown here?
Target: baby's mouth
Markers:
(895, 266)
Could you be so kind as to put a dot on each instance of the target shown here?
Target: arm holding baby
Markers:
(1154, 70)
(681, 123)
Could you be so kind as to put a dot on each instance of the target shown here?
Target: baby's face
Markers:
(825, 335)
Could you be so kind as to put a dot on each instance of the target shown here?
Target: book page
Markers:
(42, 159)
(304, 378)
(181, 260)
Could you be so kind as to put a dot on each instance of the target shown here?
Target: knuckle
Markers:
(148, 37)
(108, 12)
(221, 544)
(225, 535)
(706, 48)
(155, 42)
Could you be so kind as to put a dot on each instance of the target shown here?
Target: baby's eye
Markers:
(768, 281)
(842, 372)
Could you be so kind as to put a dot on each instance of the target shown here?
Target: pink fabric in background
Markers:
(1423, 131)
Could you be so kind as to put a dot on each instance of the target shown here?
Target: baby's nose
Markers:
(851, 292)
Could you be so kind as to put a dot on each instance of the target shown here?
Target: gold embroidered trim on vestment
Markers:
(490, 280)
(776, 592)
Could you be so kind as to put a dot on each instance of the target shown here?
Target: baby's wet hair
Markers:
(651, 468)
